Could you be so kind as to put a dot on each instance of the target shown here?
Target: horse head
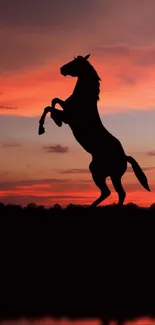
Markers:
(75, 67)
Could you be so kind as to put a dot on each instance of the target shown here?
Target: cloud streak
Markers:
(4, 107)
(11, 145)
(151, 153)
(75, 171)
(8, 185)
(139, 56)
(130, 169)
(56, 149)
(128, 80)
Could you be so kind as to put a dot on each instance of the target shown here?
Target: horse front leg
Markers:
(55, 101)
(42, 120)
(57, 115)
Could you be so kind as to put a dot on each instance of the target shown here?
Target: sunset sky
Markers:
(37, 37)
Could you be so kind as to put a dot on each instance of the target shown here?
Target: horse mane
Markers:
(92, 78)
(95, 80)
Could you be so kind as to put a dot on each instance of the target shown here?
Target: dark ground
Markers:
(77, 262)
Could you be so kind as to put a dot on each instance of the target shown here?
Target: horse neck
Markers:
(86, 89)
(82, 93)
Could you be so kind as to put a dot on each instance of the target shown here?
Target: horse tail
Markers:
(138, 172)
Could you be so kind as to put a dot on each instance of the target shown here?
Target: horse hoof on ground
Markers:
(41, 130)
(92, 206)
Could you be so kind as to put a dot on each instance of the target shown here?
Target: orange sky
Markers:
(36, 39)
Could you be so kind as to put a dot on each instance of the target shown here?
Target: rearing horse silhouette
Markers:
(80, 112)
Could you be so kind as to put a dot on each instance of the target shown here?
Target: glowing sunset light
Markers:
(36, 42)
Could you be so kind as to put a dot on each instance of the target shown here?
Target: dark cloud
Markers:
(151, 153)
(56, 149)
(75, 171)
(62, 184)
(50, 186)
(43, 12)
(33, 32)
(6, 185)
(4, 107)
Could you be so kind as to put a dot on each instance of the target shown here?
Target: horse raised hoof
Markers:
(41, 130)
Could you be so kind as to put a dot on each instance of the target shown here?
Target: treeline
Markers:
(77, 262)
(56, 209)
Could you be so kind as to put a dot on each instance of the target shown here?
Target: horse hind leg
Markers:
(105, 192)
(101, 183)
(119, 189)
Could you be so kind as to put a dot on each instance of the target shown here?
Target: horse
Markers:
(80, 112)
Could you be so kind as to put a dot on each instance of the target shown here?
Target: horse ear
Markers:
(87, 57)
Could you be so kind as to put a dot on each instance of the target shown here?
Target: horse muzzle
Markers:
(63, 72)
